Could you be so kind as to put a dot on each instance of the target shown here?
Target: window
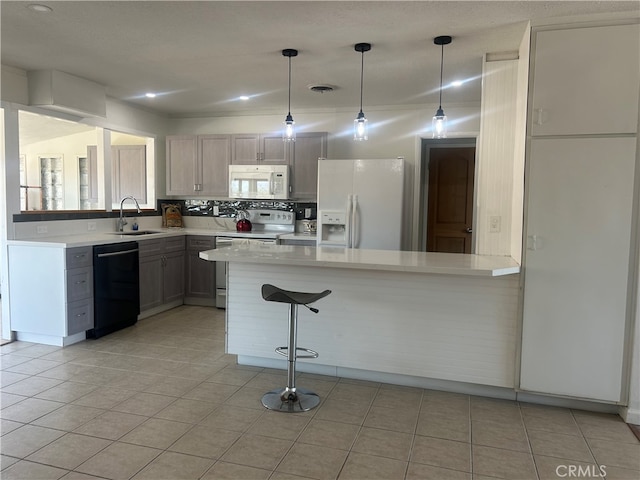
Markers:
(64, 165)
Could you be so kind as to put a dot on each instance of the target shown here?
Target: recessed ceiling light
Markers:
(244, 97)
(38, 7)
(150, 95)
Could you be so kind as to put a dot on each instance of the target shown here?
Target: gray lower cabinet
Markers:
(161, 272)
(51, 303)
(79, 280)
(200, 285)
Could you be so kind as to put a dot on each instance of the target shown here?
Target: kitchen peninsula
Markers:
(413, 318)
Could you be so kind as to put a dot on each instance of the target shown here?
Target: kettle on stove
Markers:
(242, 222)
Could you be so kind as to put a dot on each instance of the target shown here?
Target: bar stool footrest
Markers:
(290, 400)
(284, 352)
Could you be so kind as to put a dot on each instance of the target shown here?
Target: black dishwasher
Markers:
(116, 287)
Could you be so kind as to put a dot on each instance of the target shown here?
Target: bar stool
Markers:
(290, 398)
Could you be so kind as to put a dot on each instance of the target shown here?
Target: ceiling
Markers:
(199, 57)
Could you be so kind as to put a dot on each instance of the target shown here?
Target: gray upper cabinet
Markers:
(214, 152)
(198, 164)
(306, 150)
(570, 96)
(254, 148)
(182, 154)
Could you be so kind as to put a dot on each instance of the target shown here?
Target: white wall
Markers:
(496, 158)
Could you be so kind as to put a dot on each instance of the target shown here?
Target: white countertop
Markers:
(102, 238)
(389, 260)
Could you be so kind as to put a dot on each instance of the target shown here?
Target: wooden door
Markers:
(450, 199)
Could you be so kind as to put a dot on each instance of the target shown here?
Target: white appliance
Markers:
(269, 182)
(267, 226)
(360, 203)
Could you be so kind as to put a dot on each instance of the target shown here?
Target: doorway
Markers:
(447, 186)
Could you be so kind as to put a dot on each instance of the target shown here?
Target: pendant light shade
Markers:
(289, 133)
(360, 123)
(439, 122)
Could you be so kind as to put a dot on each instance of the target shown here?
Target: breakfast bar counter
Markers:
(424, 319)
(354, 258)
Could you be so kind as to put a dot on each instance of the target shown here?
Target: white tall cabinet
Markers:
(579, 207)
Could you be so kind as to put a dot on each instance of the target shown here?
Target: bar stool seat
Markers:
(290, 398)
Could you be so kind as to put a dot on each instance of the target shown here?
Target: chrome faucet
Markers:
(121, 221)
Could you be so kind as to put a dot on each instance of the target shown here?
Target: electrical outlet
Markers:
(495, 222)
(41, 229)
(91, 226)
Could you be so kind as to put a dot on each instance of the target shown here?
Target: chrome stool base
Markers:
(287, 400)
(291, 399)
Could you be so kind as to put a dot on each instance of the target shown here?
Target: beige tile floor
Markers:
(161, 400)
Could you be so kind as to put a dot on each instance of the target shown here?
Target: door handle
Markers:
(468, 230)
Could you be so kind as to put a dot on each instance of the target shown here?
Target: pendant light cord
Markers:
(289, 85)
(361, 76)
(441, 64)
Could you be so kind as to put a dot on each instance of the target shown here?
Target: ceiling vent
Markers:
(323, 88)
(66, 93)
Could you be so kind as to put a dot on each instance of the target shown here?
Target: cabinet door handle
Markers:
(83, 314)
(80, 282)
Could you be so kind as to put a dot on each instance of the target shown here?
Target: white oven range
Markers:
(267, 226)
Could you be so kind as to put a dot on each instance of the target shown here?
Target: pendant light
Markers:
(439, 122)
(289, 133)
(360, 123)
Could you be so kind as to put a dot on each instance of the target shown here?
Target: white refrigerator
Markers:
(360, 203)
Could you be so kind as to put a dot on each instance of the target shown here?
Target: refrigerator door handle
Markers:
(354, 222)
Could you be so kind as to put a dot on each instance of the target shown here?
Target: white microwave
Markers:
(269, 182)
